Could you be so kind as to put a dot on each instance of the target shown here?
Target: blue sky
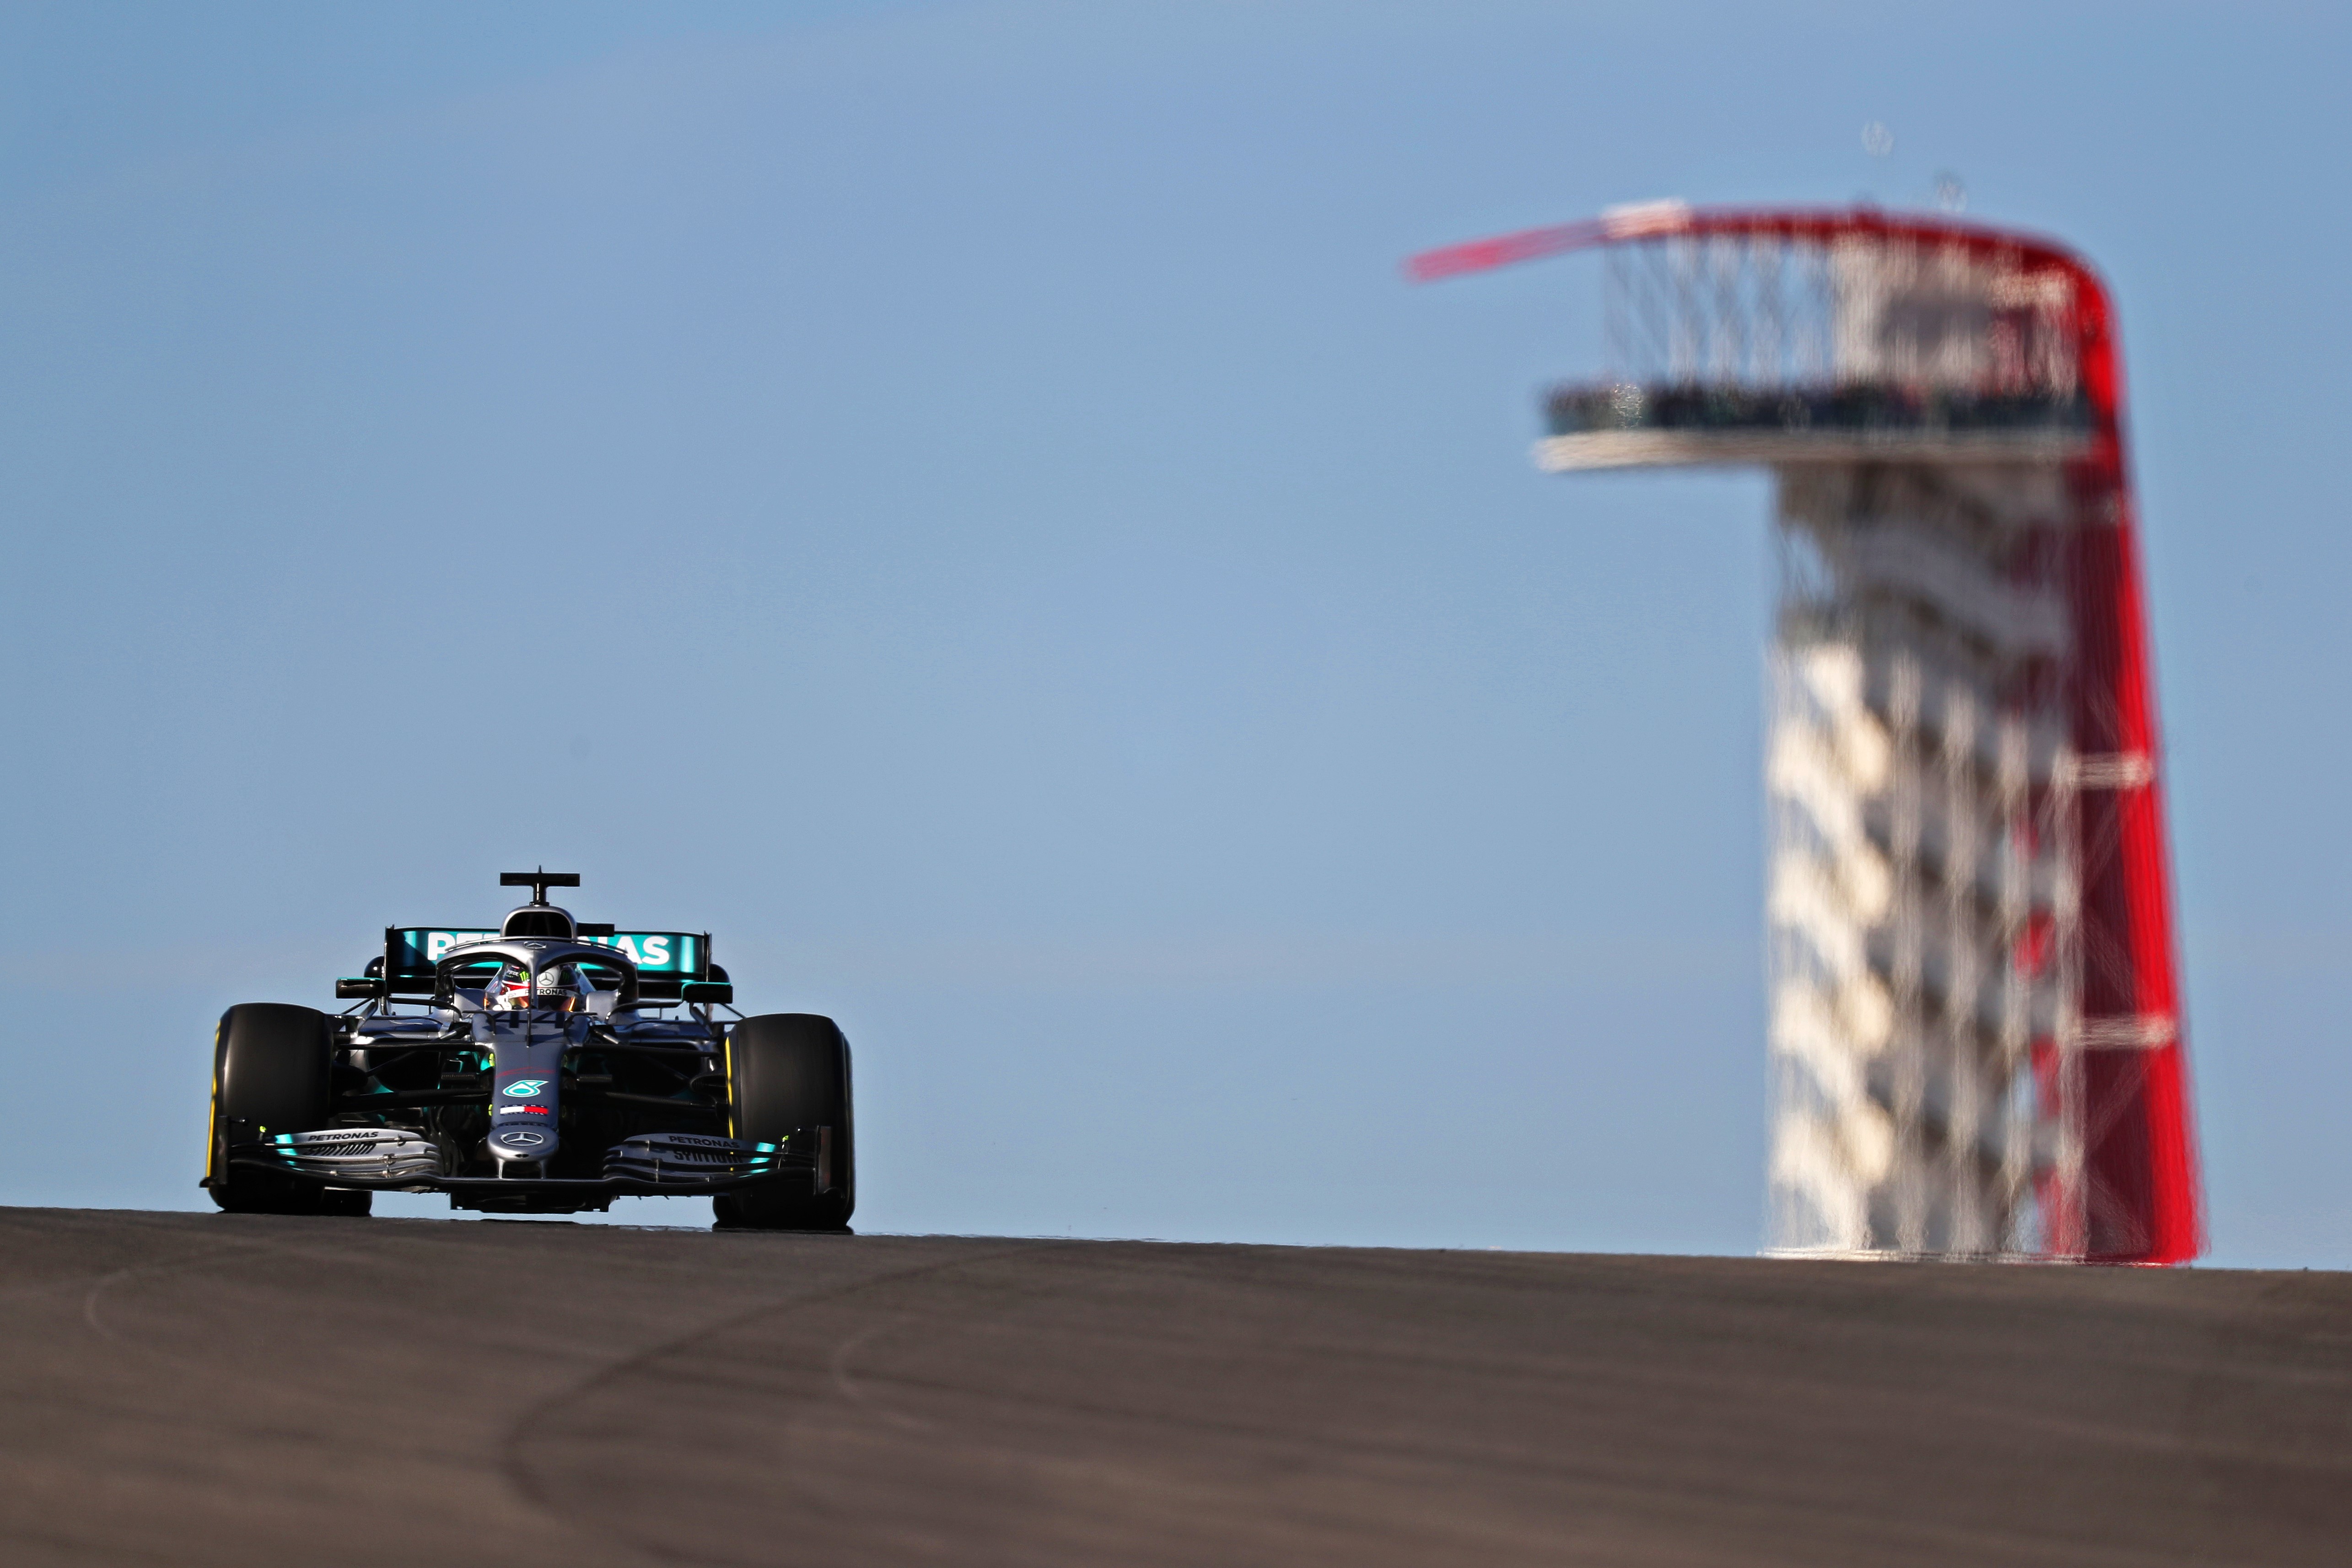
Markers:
(956, 500)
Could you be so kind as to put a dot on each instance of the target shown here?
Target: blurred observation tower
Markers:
(1975, 1029)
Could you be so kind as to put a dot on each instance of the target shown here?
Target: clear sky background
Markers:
(956, 500)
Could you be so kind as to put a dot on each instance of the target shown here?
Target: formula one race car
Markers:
(539, 1072)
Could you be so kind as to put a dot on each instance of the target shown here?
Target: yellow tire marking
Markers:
(211, 1111)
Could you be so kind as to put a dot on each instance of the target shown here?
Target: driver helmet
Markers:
(560, 989)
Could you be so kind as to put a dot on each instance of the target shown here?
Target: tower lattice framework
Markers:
(1975, 1027)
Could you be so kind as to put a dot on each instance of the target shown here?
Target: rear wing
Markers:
(664, 959)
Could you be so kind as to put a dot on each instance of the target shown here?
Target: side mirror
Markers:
(707, 992)
(358, 987)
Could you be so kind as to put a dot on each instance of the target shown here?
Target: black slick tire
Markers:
(270, 1073)
(786, 1071)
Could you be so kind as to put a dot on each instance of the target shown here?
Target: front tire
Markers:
(271, 1063)
(786, 1071)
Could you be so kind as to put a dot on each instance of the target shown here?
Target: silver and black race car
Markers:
(547, 1067)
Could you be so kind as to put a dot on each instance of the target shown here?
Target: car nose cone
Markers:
(522, 1143)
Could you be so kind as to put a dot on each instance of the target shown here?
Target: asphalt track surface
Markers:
(199, 1389)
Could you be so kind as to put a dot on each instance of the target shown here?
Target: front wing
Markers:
(651, 1165)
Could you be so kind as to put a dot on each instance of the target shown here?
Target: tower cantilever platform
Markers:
(1975, 1021)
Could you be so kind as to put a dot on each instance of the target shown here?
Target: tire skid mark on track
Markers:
(1226, 1433)
(64, 1285)
(518, 1471)
(843, 1380)
(97, 1323)
(295, 1246)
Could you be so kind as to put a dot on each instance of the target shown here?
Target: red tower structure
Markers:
(1977, 1023)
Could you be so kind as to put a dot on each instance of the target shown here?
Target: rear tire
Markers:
(785, 1072)
(270, 1073)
